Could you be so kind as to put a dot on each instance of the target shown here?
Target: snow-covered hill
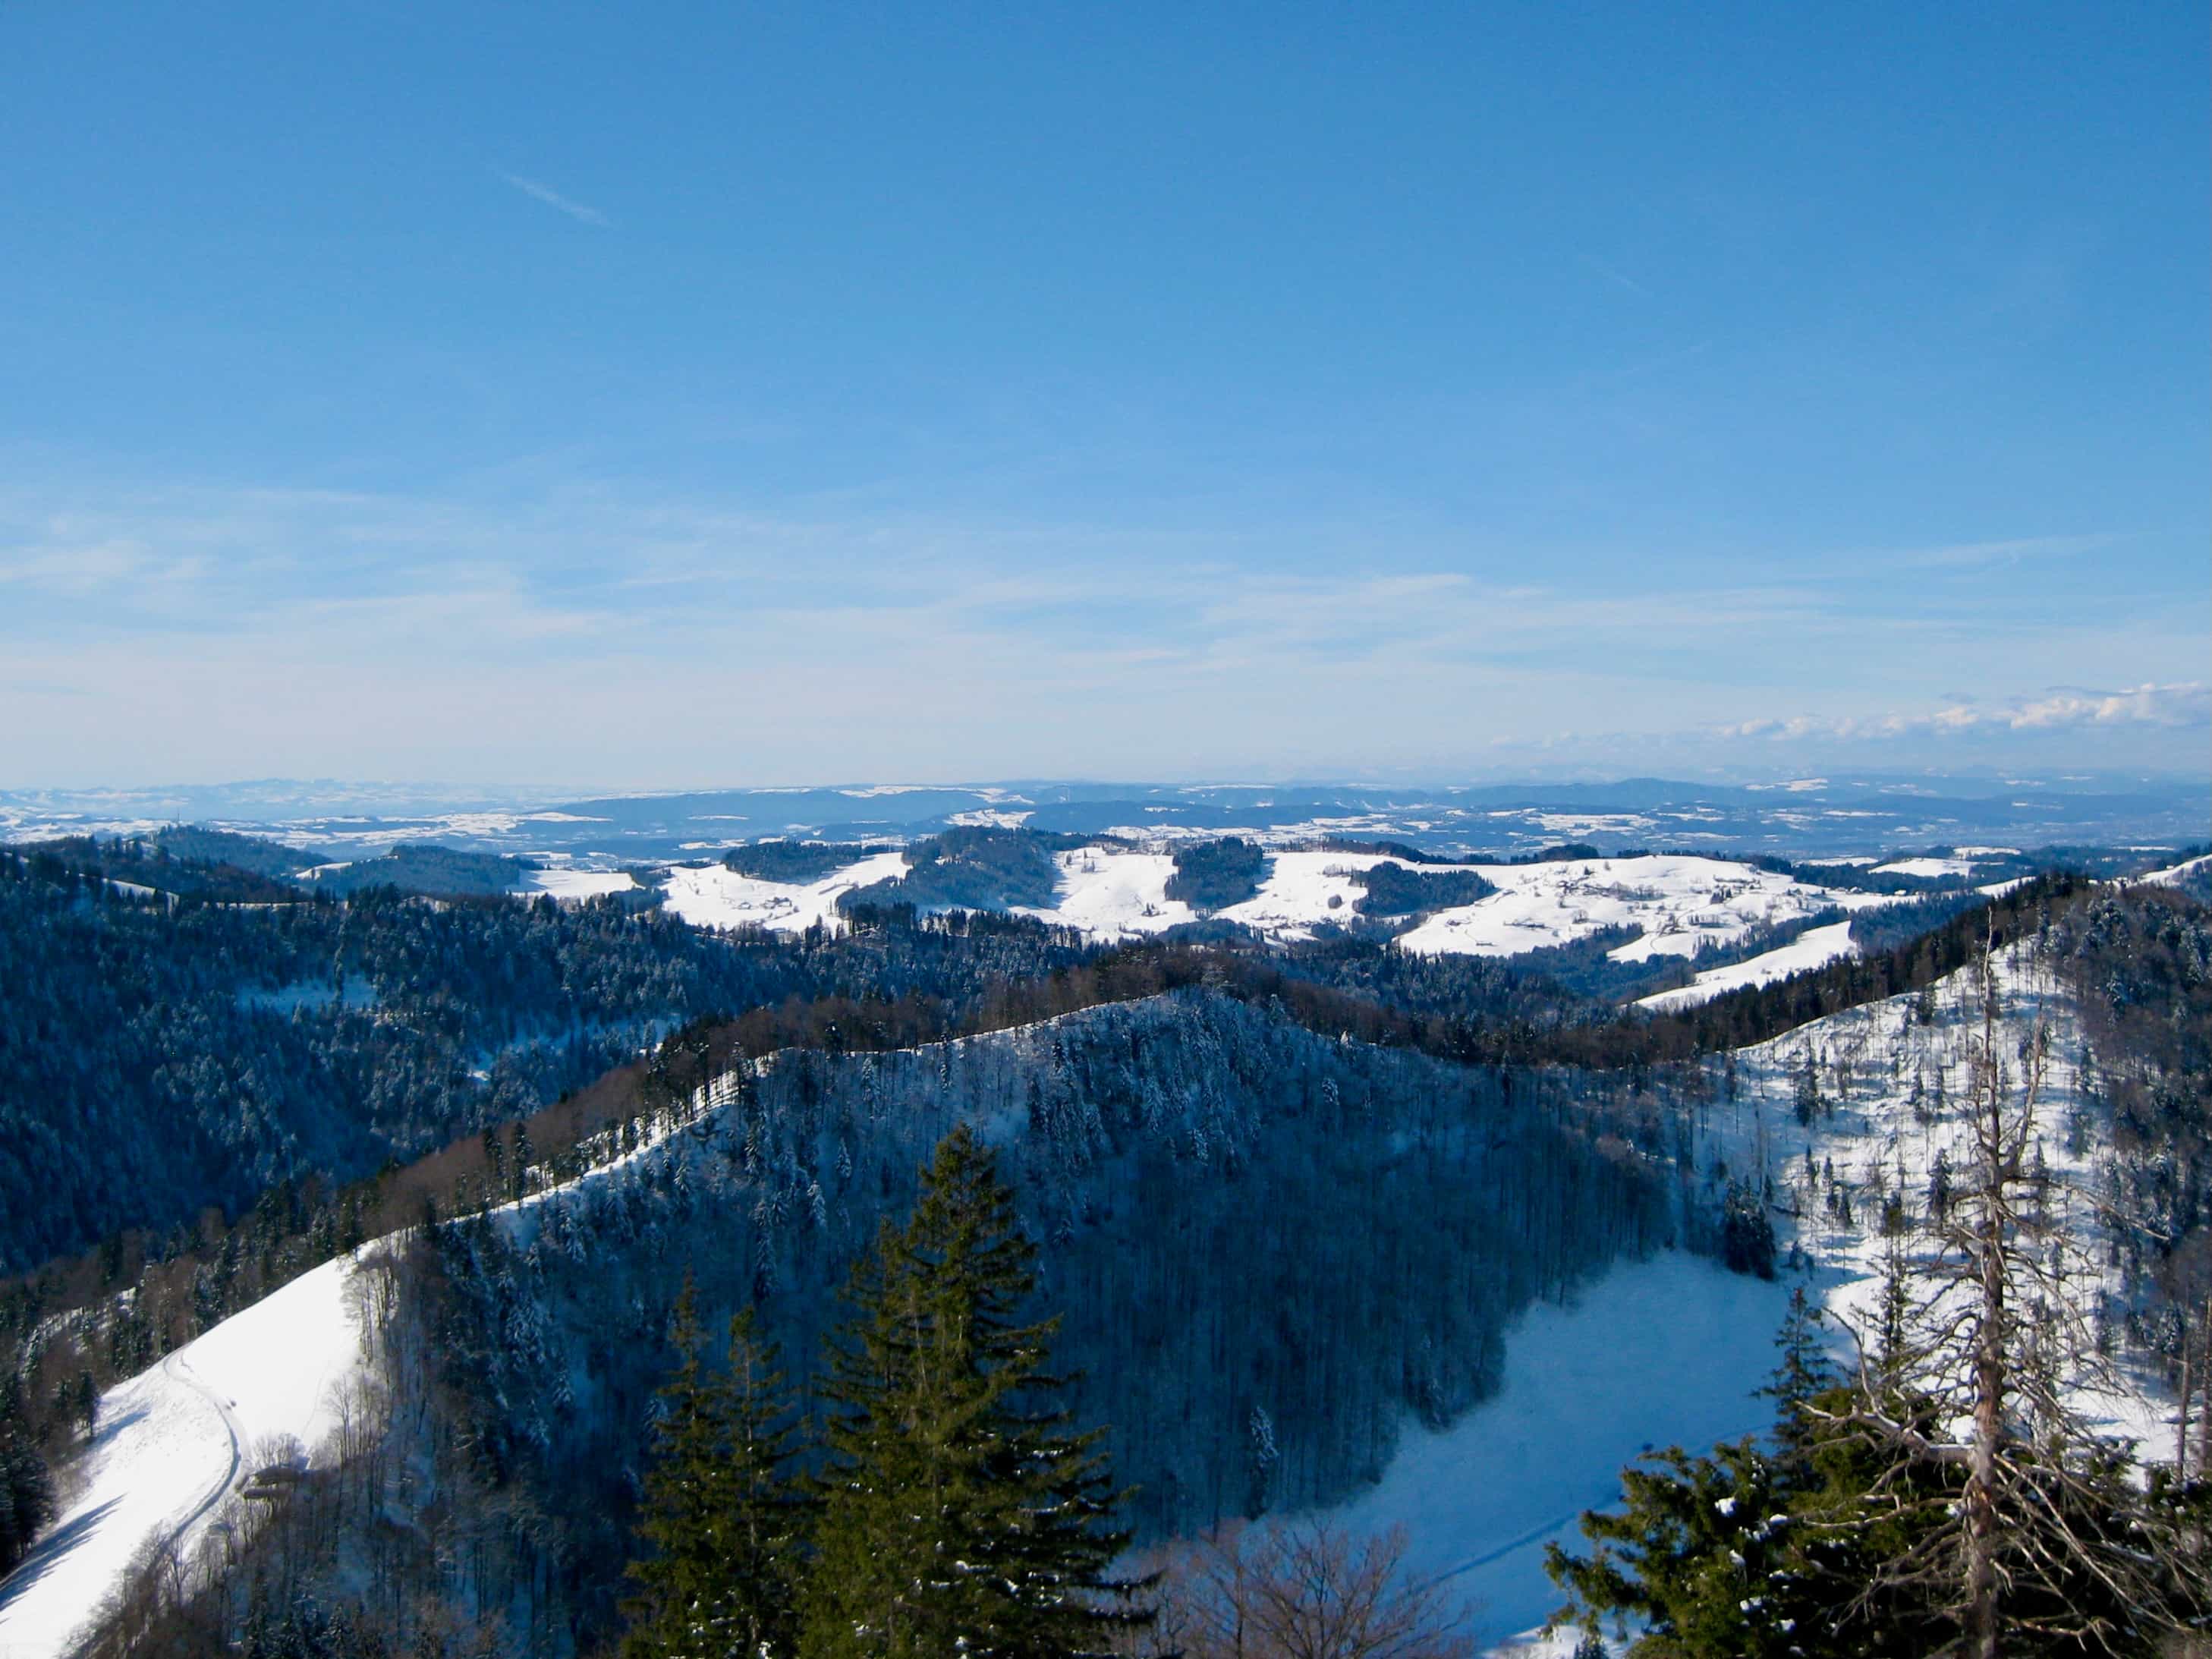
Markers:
(1682, 903)
(175, 1441)
(1814, 948)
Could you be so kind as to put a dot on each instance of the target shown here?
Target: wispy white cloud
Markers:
(2178, 706)
(2015, 550)
(580, 631)
(581, 212)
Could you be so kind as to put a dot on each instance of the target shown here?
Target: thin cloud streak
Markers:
(580, 211)
(2181, 706)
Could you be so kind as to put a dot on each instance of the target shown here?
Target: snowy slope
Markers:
(1814, 948)
(714, 895)
(1927, 869)
(2176, 873)
(174, 1441)
(1659, 1352)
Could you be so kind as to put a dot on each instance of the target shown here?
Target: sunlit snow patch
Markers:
(576, 884)
(1926, 869)
(1815, 947)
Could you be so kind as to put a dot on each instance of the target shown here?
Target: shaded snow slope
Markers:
(174, 1441)
(714, 896)
(1814, 948)
(1658, 1352)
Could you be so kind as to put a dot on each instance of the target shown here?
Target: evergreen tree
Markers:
(1803, 1371)
(724, 1523)
(26, 1498)
(960, 1515)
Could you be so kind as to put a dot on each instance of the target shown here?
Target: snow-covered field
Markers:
(1814, 948)
(1927, 869)
(1681, 903)
(714, 895)
(1111, 893)
(174, 1441)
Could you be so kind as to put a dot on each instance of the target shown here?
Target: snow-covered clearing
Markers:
(1111, 893)
(1814, 948)
(1682, 902)
(1927, 869)
(175, 1440)
(714, 896)
(1304, 890)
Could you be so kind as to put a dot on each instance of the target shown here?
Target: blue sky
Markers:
(674, 395)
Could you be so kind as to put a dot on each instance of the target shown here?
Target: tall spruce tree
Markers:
(725, 1523)
(960, 1514)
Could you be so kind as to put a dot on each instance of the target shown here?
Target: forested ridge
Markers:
(214, 1050)
(1267, 1249)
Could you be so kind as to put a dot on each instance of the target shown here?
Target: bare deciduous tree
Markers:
(1302, 1589)
(2043, 1538)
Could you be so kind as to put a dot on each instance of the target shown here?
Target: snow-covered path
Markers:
(171, 1445)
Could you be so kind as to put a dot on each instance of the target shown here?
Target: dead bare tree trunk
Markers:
(1997, 1166)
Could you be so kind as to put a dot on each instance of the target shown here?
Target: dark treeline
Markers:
(1395, 891)
(159, 864)
(1212, 875)
(976, 868)
(2140, 963)
(798, 861)
(214, 1050)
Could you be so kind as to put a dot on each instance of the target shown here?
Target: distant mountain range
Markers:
(1798, 818)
